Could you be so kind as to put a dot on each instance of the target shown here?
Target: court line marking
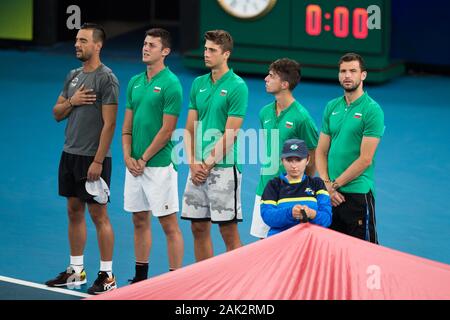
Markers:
(44, 287)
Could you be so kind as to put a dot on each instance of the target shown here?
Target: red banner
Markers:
(304, 262)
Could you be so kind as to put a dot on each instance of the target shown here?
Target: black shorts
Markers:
(356, 216)
(73, 174)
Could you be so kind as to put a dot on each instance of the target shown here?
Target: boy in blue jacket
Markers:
(294, 197)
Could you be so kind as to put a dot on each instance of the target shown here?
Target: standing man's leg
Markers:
(105, 237)
(224, 190)
(230, 235)
(142, 244)
(164, 201)
(174, 238)
(77, 226)
(105, 234)
(77, 232)
(196, 209)
(68, 187)
(203, 248)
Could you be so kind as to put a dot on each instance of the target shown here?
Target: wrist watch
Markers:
(335, 185)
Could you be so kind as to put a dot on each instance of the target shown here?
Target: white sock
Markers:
(106, 266)
(77, 263)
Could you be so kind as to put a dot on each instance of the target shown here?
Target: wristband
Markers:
(304, 217)
(98, 162)
(70, 102)
(141, 158)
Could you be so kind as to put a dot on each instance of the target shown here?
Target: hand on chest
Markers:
(88, 85)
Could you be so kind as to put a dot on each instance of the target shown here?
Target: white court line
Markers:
(44, 287)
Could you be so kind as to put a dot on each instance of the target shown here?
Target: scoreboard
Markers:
(315, 33)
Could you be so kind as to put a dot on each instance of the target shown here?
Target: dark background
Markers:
(420, 29)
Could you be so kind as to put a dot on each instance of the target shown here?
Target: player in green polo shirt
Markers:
(352, 127)
(218, 103)
(154, 99)
(283, 119)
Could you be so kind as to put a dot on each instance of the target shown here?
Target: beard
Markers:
(351, 88)
(83, 57)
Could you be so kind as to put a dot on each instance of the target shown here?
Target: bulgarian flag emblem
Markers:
(223, 93)
(157, 89)
(358, 115)
(289, 124)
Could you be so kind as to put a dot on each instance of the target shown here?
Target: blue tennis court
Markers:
(15, 289)
(412, 165)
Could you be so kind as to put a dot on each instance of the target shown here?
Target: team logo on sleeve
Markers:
(223, 93)
(289, 124)
(157, 89)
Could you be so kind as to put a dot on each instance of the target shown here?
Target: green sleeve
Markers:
(374, 123)
(192, 103)
(173, 99)
(238, 101)
(307, 131)
(260, 117)
(326, 120)
(129, 102)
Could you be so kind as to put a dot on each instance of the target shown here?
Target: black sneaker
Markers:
(103, 284)
(68, 278)
(136, 279)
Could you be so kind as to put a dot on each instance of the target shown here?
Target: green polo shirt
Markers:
(347, 125)
(293, 122)
(149, 101)
(215, 102)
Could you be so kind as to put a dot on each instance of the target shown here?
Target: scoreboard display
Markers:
(315, 33)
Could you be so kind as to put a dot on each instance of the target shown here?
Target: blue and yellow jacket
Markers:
(280, 196)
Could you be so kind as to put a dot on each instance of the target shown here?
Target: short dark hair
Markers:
(289, 70)
(221, 38)
(98, 34)
(166, 39)
(351, 56)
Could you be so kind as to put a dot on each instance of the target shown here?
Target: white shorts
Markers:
(217, 200)
(156, 190)
(258, 229)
